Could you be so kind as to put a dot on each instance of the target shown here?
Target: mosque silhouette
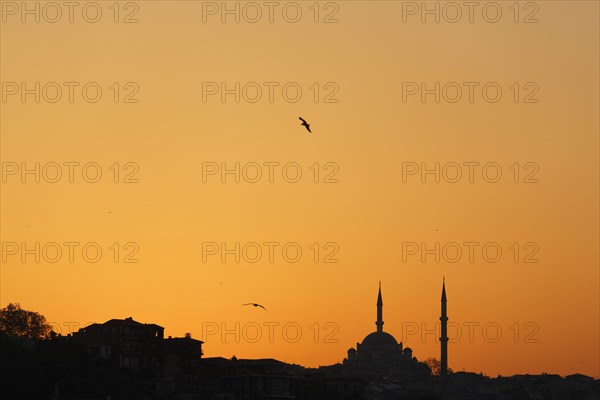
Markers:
(380, 349)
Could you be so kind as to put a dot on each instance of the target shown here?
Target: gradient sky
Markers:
(547, 311)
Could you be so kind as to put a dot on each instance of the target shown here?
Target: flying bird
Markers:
(305, 124)
(255, 305)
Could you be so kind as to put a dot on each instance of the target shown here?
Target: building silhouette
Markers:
(260, 379)
(126, 359)
(125, 342)
(379, 348)
(180, 360)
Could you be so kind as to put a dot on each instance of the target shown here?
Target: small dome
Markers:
(380, 339)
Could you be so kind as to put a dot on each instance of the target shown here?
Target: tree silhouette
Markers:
(434, 365)
(15, 321)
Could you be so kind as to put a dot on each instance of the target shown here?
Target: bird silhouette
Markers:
(305, 124)
(255, 305)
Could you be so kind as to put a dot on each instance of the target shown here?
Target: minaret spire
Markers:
(379, 322)
(444, 332)
(444, 289)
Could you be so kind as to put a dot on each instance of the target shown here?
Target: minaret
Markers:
(444, 337)
(379, 322)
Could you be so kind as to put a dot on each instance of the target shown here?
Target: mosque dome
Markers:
(380, 339)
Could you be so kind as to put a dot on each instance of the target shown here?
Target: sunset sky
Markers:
(535, 309)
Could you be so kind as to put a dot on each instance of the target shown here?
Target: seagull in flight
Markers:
(255, 305)
(305, 124)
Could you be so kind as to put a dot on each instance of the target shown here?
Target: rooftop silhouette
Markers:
(128, 359)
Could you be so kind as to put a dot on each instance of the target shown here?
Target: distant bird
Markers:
(110, 212)
(255, 305)
(305, 124)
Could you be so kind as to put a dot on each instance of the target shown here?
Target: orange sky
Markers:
(368, 128)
